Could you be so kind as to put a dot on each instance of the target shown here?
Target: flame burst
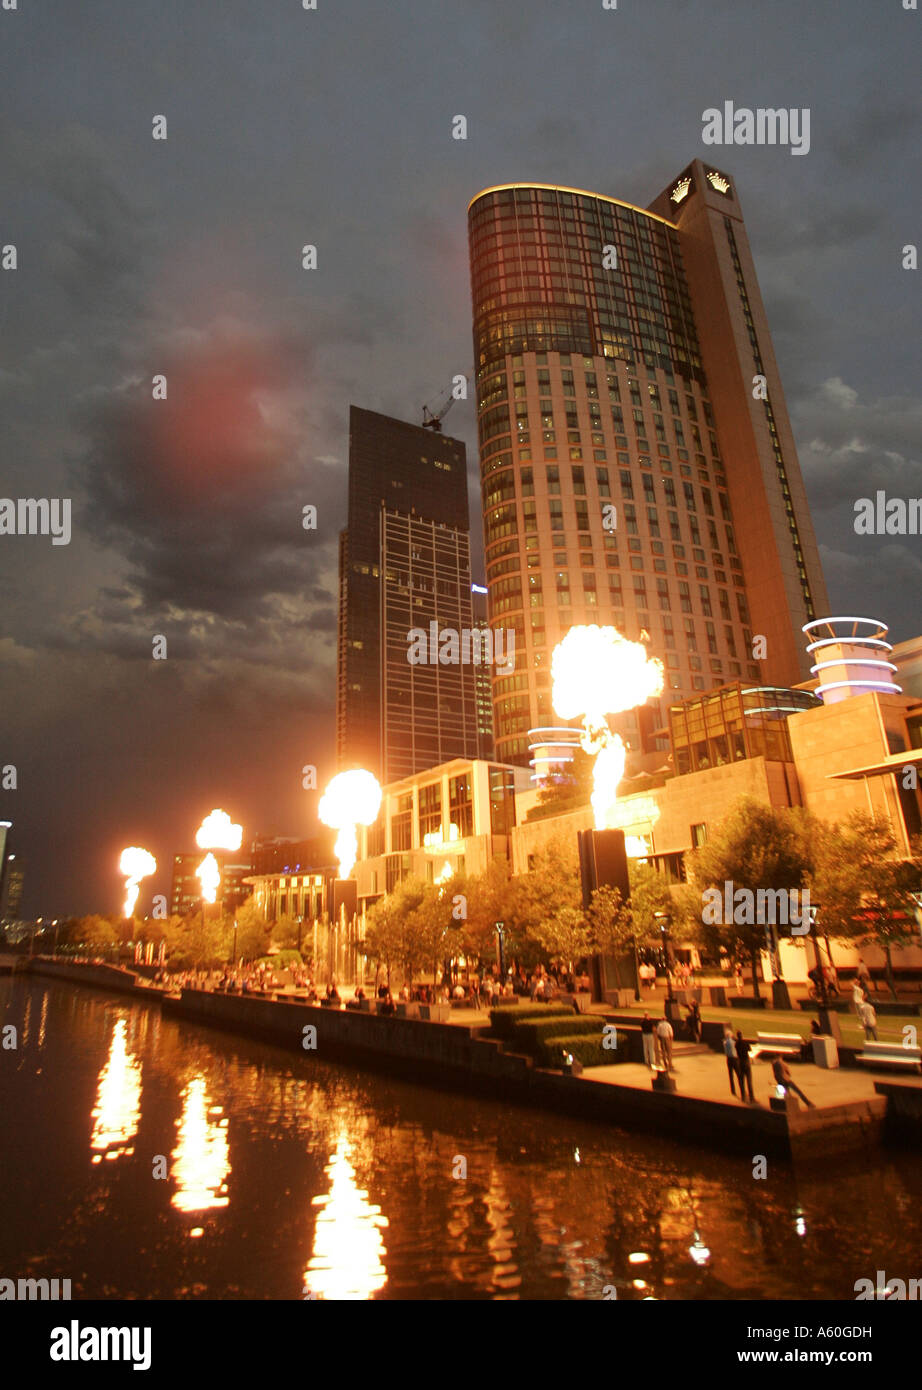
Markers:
(350, 799)
(209, 875)
(135, 864)
(217, 831)
(597, 672)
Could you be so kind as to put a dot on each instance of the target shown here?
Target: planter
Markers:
(408, 1010)
(743, 1001)
(435, 1013)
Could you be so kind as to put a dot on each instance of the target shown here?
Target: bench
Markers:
(785, 1044)
(878, 1054)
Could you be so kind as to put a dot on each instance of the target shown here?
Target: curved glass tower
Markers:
(629, 475)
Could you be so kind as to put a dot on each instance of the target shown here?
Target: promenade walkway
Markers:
(704, 1076)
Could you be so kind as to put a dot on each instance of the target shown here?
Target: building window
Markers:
(461, 804)
(430, 810)
(401, 825)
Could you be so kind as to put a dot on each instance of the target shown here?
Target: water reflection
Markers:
(201, 1158)
(117, 1112)
(348, 1258)
(529, 1219)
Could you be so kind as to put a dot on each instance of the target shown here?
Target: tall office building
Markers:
(404, 564)
(632, 472)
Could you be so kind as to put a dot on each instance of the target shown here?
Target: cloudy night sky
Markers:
(183, 257)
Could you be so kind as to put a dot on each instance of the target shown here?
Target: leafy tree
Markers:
(398, 930)
(755, 847)
(864, 888)
(611, 924)
(650, 893)
(537, 897)
(254, 933)
(565, 936)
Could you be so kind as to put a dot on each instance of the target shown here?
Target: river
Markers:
(142, 1157)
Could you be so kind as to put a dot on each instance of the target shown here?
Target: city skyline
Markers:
(185, 259)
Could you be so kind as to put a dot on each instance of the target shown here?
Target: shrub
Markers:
(585, 1049)
(535, 1031)
(503, 1021)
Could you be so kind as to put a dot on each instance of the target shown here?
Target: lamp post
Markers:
(500, 929)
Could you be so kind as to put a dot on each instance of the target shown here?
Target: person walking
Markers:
(738, 976)
(867, 1015)
(649, 1042)
(664, 1036)
(782, 1074)
(730, 1054)
(857, 995)
(864, 976)
(744, 1066)
(693, 1022)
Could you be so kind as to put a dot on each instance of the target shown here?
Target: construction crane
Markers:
(432, 419)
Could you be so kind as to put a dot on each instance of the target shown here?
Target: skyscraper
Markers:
(636, 469)
(404, 563)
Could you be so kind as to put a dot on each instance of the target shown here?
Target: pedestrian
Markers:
(864, 975)
(868, 1017)
(744, 1066)
(664, 1036)
(730, 1054)
(649, 1042)
(475, 991)
(738, 976)
(693, 1021)
(857, 995)
(782, 1074)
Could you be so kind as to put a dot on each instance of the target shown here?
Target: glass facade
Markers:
(734, 723)
(604, 493)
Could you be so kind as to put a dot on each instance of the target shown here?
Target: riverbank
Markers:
(851, 1111)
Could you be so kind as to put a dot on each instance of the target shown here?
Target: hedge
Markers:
(503, 1021)
(536, 1031)
(587, 1050)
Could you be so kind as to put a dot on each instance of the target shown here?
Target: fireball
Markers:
(596, 672)
(217, 831)
(135, 864)
(351, 798)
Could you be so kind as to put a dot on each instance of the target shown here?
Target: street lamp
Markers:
(500, 929)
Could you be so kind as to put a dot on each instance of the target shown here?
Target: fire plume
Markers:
(135, 864)
(596, 672)
(351, 799)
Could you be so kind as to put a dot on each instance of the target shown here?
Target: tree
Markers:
(611, 925)
(650, 893)
(864, 888)
(756, 847)
(400, 927)
(537, 897)
(565, 936)
(253, 931)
